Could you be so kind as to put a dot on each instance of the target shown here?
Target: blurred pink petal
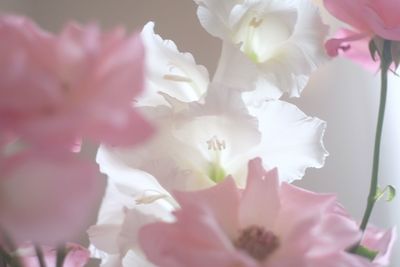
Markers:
(46, 197)
(354, 46)
(369, 19)
(350, 12)
(299, 229)
(81, 83)
(77, 255)
(382, 241)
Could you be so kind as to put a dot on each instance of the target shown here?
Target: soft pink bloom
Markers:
(266, 224)
(77, 255)
(46, 197)
(369, 19)
(382, 241)
(81, 83)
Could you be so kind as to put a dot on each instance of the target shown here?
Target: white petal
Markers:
(291, 141)
(173, 163)
(105, 237)
(138, 217)
(273, 43)
(111, 261)
(170, 71)
(214, 16)
(132, 259)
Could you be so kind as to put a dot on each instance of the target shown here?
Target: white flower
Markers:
(199, 144)
(271, 46)
(205, 132)
(170, 71)
(132, 199)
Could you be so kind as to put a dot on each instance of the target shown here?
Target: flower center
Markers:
(215, 144)
(257, 242)
(261, 36)
(215, 170)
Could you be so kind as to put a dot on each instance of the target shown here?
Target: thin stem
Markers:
(39, 254)
(61, 254)
(5, 259)
(12, 259)
(385, 65)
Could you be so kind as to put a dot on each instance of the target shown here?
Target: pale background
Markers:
(341, 93)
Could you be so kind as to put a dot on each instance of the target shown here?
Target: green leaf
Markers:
(365, 252)
(390, 193)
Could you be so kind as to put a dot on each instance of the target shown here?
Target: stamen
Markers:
(216, 144)
(148, 199)
(257, 242)
(255, 22)
(177, 78)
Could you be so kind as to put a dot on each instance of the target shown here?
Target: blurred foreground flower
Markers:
(46, 196)
(269, 46)
(267, 224)
(55, 90)
(373, 21)
(81, 83)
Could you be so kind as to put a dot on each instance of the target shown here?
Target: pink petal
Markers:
(46, 197)
(350, 12)
(222, 200)
(382, 241)
(81, 83)
(383, 18)
(194, 240)
(260, 202)
(354, 46)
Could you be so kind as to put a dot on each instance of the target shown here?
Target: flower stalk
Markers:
(386, 59)
(61, 254)
(39, 254)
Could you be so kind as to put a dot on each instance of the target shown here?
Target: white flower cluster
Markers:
(209, 129)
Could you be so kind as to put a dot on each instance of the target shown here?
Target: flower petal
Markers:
(170, 71)
(291, 141)
(42, 193)
(262, 188)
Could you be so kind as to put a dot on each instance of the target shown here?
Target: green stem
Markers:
(39, 254)
(61, 254)
(11, 258)
(385, 65)
(5, 258)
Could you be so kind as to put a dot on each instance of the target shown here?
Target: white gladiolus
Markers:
(270, 47)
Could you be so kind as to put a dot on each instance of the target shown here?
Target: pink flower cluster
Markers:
(266, 224)
(369, 19)
(55, 91)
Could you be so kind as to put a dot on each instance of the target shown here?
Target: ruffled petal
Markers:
(170, 71)
(291, 141)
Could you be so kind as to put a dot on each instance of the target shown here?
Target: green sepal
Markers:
(373, 49)
(365, 252)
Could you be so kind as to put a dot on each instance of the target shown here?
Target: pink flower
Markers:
(77, 256)
(376, 239)
(267, 224)
(369, 19)
(46, 197)
(81, 83)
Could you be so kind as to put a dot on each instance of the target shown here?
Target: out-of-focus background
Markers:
(341, 93)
